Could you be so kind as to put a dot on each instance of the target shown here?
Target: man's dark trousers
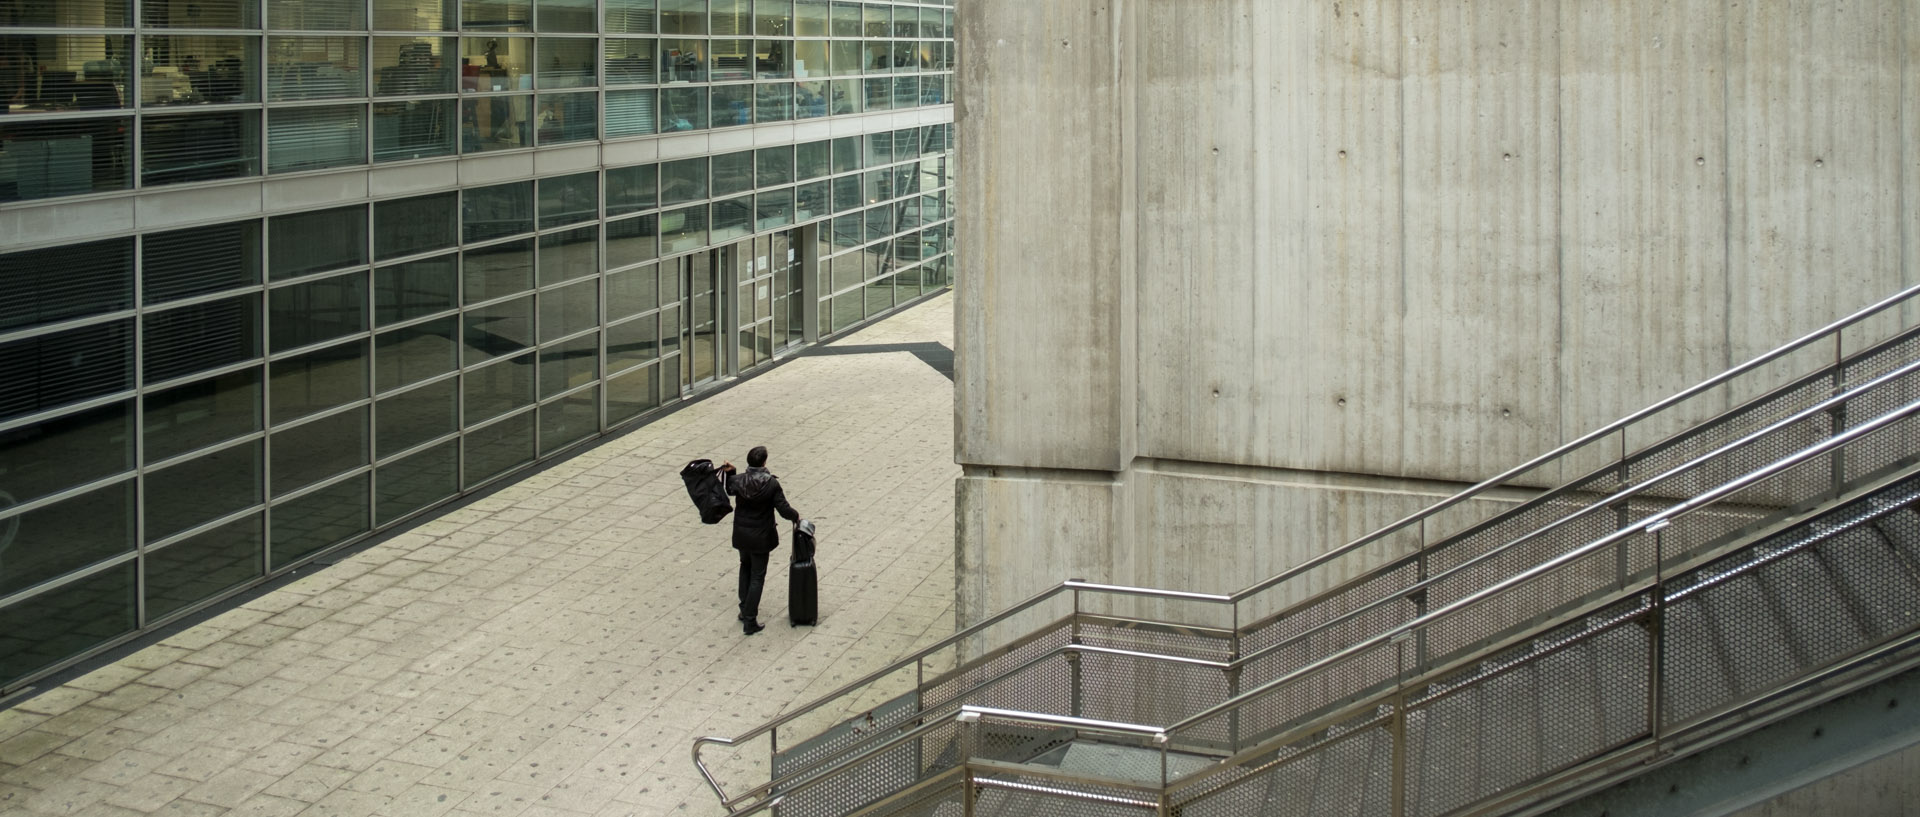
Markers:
(753, 579)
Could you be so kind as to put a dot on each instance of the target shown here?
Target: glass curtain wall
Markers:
(94, 100)
(184, 412)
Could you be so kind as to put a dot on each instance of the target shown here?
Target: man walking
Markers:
(754, 534)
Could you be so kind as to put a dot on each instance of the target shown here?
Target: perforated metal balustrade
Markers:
(1663, 573)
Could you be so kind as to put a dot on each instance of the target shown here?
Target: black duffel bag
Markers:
(709, 495)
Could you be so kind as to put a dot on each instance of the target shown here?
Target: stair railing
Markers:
(1244, 604)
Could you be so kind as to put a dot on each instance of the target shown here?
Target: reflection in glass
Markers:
(812, 18)
(810, 201)
(569, 199)
(316, 138)
(569, 254)
(195, 415)
(683, 229)
(316, 311)
(566, 15)
(66, 621)
(419, 480)
(569, 420)
(562, 118)
(308, 524)
(416, 225)
(498, 388)
(683, 16)
(66, 157)
(633, 291)
(632, 189)
(39, 459)
(505, 15)
(73, 281)
(314, 67)
(498, 211)
(62, 72)
(631, 113)
(631, 61)
(683, 180)
(203, 566)
(683, 109)
(196, 69)
(567, 62)
(773, 59)
(773, 209)
(569, 365)
(495, 123)
(732, 219)
(413, 15)
(55, 539)
(631, 17)
(202, 489)
(414, 289)
(733, 173)
(415, 353)
(413, 65)
(569, 309)
(633, 241)
(498, 329)
(317, 241)
(317, 380)
(683, 61)
(497, 271)
(811, 99)
(196, 337)
(633, 343)
(773, 102)
(415, 416)
(632, 393)
(732, 105)
(311, 452)
(185, 263)
(497, 448)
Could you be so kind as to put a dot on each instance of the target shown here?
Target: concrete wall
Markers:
(1244, 279)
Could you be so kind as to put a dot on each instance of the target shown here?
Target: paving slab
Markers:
(551, 648)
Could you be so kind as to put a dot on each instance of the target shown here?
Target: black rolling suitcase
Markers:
(803, 581)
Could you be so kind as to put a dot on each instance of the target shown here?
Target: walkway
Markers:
(550, 649)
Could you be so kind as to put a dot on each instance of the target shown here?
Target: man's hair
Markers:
(757, 457)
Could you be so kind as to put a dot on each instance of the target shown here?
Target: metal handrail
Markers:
(1650, 524)
(1834, 329)
(1600, 506)
(973, 714)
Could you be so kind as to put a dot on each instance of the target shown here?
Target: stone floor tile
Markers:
(230, 787)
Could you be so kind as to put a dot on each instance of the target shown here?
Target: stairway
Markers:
(1628, 611)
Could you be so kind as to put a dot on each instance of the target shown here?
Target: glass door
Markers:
(699, 335)
(769, 281)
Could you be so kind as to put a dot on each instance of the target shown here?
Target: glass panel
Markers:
(848, 271)
(632, 343)
(184, 263)
(568, 310)
(877, 20)
(316, 311)
(906, 92)
(495, 123)
(92, 13)
(43, 458)
(773, 166)
(496, 63)
(683, 16)
(812, 18)
(569, 199)
(571, 254)
(732, 218)
(879, 296)
(415, 289)
(67, 535)
(498, 388)
(413, 65)
(305, 243)
(569, 365)
(65, 158)
(848, 310)
(846, 154)
(311, 523)
(193, 68)
(849, 231)
(732, 105)
(412, 417)
(413, 130)
(846, 97)
(202, 489)
(630, 17)
(47, 286)
(59, 72)
(683, 180)
(416, 225)
(773, 210)
(846, 19)
(421, 479)
(733, 173)
(683, 229)
(199, 147)
(633, 291)
(497, 330)
(631, 61)
(196, 415)
(189, 339)
(413, 15)
(810, 201)
(731, 17)
(632, 189)
(497, 271)
(566, 15)
(314, 67)
(732, 60)
(569, 420)
(879, 94)
(317, 15)
(494, 450)
(773, 59)
(315, 138)
(811, 101)
(632, 393)
(683, 109)
(203, 566)
(567, 117)
(567, 62)
(810, 58)
(415, 353)
(631, 113)
(772, 18)
(498, 211)
(773, 102)
(506, 15)
(317, 380)
(849, 58)
(63, 623)
(309, 453)
(848, 197)
(633, 241)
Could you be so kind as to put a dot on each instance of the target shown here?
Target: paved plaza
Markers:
(551, 648)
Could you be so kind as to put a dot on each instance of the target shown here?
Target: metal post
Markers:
(1837, 474)
(1397, 729)
(1233, 672)
(1656, 647)
(1073, 674)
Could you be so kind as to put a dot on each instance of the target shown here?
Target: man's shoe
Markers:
(751, 627)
